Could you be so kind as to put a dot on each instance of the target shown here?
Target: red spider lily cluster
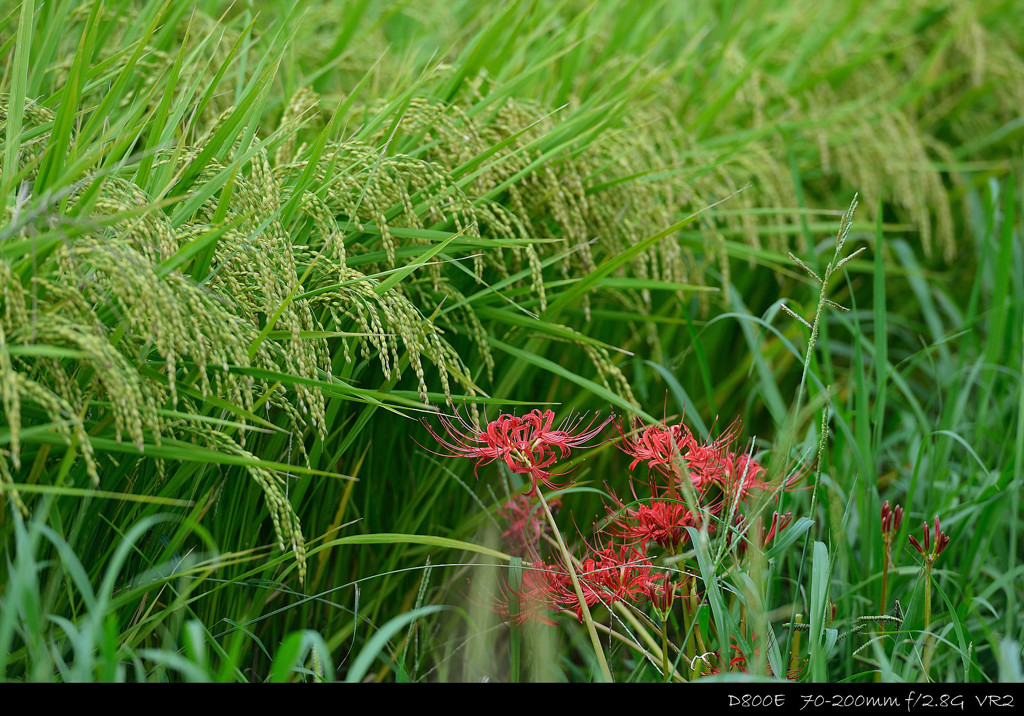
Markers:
(680, 485)
(526, 524)
(691, 483)
(674, 453)
(932, 543)
(610, 575)
(661, 520)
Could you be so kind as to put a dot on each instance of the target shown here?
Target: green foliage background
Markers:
(245, 247)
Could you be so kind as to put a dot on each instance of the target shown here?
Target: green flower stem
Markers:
(688, 620)
(885, 573)
(929, 644)
(696, 622)
(642, 630)
(587, 619)
(652, 653)
(927, 594)
(794, 651)
(666, 665)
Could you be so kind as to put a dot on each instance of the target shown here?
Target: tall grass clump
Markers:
(255, 259)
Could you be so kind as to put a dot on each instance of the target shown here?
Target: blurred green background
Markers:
(247, 246)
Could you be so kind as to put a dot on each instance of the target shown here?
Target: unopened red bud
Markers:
(892, 517)
(662, 592)
(779, 523)
(933, 541)
(941, 538)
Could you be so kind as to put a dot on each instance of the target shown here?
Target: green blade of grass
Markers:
(16, 98)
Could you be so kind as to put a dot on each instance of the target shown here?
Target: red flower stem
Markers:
(885, 573)
(587, 619)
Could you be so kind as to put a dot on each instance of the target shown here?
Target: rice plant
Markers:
(267, 269)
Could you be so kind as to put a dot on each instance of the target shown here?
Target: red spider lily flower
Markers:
(564, 438)
(607, 577)
(526, 524)
(740, 475)
(465, 439)
(739, 662)
(797, 671)
(664, 447)
(662, 593)
(657, 445)
(706, 669)
(527, 444)
(626, 572)
(594, 593)
(931, 549)
(707, 462)
(610, 575)
(536, 594)
(668, 449)
(779, 523)
(891, 519)
(548, 587)
(659, 520)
